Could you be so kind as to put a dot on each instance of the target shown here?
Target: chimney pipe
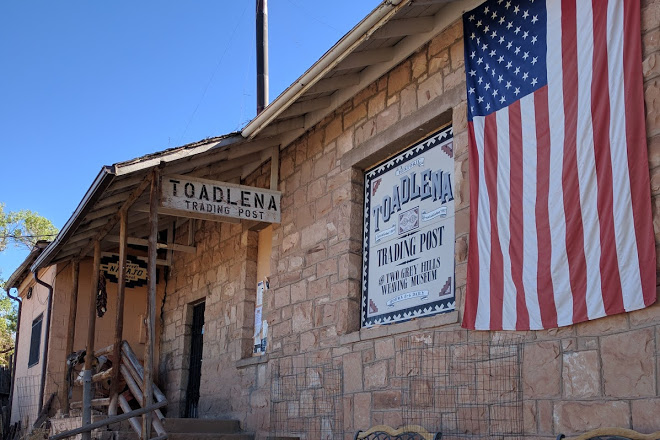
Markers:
(262, 55)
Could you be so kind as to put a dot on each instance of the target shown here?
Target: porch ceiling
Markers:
(227, 158)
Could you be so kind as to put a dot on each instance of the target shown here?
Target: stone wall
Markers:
(604, 372)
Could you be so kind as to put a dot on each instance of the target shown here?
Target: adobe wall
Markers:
(601, 373)
(28, 378)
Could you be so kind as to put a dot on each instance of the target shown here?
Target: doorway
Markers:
(195, 366)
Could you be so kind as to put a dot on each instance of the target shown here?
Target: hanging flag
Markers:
(561, 228)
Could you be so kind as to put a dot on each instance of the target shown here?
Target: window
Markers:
(35, 341)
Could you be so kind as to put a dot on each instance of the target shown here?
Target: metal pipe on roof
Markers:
(262, 55)
(44, 361)
(334, 56)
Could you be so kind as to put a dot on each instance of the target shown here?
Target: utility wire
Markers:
(217, 66)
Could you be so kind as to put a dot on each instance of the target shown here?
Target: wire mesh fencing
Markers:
(306, 399)
(466, 389)
(27, 398)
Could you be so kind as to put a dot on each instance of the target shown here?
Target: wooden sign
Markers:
(185, 196)
(136, 269)
(408, 248)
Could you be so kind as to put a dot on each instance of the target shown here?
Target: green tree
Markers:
(21, 229)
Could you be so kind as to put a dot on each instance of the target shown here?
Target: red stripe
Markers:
(516, 214)
(600, 114)
(496, 264)
(472, 287)
(544, 285)
(570, 182)
(637, 155)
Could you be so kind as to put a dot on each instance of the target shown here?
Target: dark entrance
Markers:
(195, 367)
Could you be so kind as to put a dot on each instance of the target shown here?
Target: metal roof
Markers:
(383, 39)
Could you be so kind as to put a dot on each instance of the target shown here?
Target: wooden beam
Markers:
(91, 329)
(404, 27)
(113, 221)
(284, 126)
(154, 202)
(119, 315)
(366, 58)
(71, 330)
(143, 242)
(300, 108)
(335, 83)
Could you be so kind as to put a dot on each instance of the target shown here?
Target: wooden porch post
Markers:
(91, 329)
(71, 331)
(119, 318)
(151, 303)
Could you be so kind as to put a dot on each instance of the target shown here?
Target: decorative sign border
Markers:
(430, 295)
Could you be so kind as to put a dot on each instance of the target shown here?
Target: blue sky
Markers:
(87, 83)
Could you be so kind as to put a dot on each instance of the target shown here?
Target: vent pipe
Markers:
(262, 55)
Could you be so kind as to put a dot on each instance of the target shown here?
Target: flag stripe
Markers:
(636, 149)
(574, 232)
(473, 271)
(530, 243)
(483, 233)
(559, 265)
(622, 220)
(517, 237)
(586, 157)
(600, 104)
(491, 164)
(546, 302)
(503, 217)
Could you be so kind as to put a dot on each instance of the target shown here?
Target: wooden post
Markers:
(151, 302)
(91, 329)
(71, 331)
(119, 318)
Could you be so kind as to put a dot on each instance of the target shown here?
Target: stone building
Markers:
(395, 79)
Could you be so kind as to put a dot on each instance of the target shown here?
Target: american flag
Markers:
(560, 229)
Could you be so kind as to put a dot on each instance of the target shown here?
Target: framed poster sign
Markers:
(408, 244)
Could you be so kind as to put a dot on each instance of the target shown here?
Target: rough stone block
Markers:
(578, 417)
(645, 415)
(355, 115)
(399, 78)
(375, 375)
(651, 66)
(352, 365)
(302, 317)
(652, 99)
(386, 399)
(419, 64)
(628, 367)
(362, 411)
(429, 89)
(581, 374)
(541, 370)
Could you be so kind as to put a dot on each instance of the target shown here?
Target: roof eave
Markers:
(334, 56)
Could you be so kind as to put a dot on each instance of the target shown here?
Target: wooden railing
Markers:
(132, 372)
